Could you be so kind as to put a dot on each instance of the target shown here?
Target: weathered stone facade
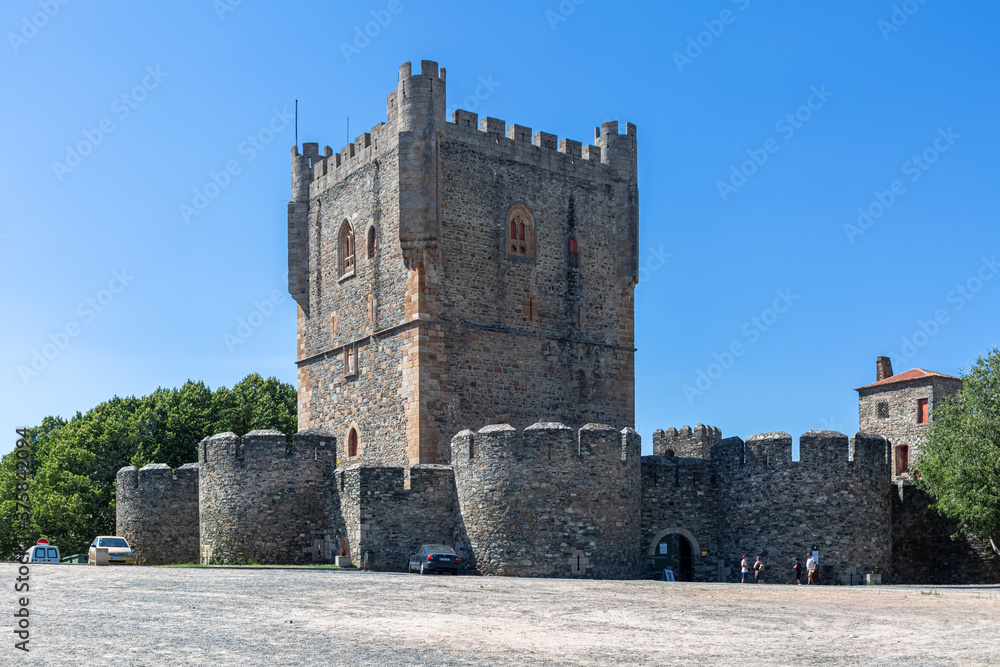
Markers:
(263, 499)
(451, 330)
(550, 501)
(891, 408)
(157, 512)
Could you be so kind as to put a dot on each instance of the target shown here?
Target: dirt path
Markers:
(134, 615)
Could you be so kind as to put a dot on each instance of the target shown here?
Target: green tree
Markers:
(959, 464)
(74, 464)
(255, 403)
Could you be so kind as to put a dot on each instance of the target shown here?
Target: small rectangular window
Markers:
(922, 411)
(882, 409)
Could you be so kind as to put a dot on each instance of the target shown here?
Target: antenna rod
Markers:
(348, 129)
(296, 122)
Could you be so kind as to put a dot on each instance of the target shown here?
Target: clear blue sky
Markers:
(712, 260)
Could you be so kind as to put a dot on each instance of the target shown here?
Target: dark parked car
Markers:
(434, 558)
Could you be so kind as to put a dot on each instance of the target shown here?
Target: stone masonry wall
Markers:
(900, 426)
(923, 551)
(448, 329)
(550, 501)
(379, 514)
(833, 499)
(262, 500)
(681, 496)
(687, 442)
(157, 512)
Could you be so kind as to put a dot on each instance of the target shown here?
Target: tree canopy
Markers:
(959, 464)
(74, 463)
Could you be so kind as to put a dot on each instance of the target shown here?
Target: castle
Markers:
(466, 376)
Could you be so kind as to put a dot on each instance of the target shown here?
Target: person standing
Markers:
(811, 568)
(758, 571)
(798, 572)
(745, 569)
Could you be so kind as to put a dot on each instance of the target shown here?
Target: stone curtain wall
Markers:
(550, 501)
(833, 499)
(681, 495)
(687, 442)
(923, 551)
(378, 513)
(262, 500)
(157, 512)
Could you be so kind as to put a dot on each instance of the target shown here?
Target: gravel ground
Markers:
(194, 616)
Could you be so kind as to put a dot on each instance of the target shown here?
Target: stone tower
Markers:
(451, 274)
(899, 408)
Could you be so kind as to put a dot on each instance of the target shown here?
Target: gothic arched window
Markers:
(346, 248)
(520, 232)
(352, 443)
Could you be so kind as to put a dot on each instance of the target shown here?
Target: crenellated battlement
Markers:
(418, 103)
(612, 154)
(830, 450)
(264, 448)
(686, 442)
(547, 441)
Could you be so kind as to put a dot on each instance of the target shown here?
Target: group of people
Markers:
(758, 570)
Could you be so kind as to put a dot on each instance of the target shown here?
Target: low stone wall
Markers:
(923, 551)
(377, 513)
(157, 512)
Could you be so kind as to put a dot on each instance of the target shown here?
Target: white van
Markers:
(42, 553)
